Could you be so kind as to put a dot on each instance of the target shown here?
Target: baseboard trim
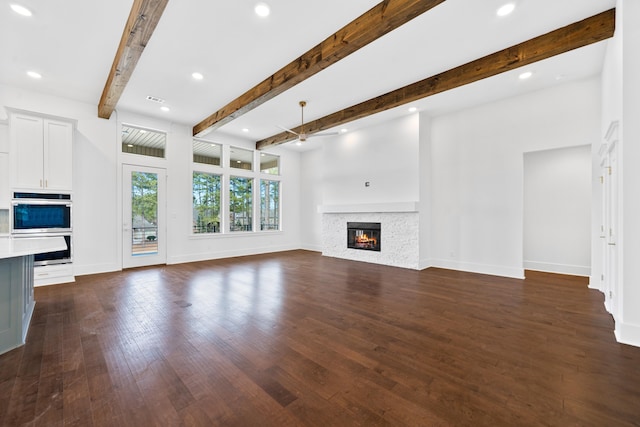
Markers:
(493, 270)
(424, 264)
(594, 283)
(206, 256)
(313, 248)
(84, 270)
(548, 267)
(628, 334)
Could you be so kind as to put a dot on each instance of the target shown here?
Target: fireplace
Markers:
(363, 235)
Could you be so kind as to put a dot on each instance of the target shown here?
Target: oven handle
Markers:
(16, 202)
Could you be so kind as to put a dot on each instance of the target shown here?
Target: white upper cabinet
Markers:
(41, 153)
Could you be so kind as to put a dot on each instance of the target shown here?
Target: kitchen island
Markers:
(16, 285)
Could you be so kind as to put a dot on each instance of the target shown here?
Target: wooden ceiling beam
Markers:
(143, 18)
(373, 24)
(591, 30)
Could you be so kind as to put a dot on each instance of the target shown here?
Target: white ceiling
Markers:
(73, 43)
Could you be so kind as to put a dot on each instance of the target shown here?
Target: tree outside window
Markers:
(144, 212)
(206, 202)
(240, 203)
(269, 205)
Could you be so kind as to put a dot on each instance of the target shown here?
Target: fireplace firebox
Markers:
(364, 235)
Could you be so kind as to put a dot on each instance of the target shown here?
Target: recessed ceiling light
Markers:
(21, 10)
(238, 161)
(34, 75)
(298, 143)
(413, 109)
(262, 10)
(165, 108)
(245, 130)
(344, 130)
(525, 75)
(197, 76)
(506, 9)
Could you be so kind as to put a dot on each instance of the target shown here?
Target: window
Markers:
(240, 158)
(269, 205)
(240, 203)
(143, 142)
(144, 213)
(206, 202)
(207, 153)
(269, 164)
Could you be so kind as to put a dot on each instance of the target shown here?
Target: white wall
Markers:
(97, 195)
(629, 331)
(477, 175)
(466, 170)
(557, 210)
(311, 177)
(95, 166)
(184, 246)
(621, 87)
(621, 103)
(384, 155)
(426, 170)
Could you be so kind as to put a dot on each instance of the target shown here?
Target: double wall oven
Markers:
(42, 215)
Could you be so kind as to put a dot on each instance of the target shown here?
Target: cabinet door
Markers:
(27, 152)
(58, 149)
(5, 187)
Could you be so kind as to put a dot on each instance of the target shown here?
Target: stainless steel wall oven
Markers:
(43, 215)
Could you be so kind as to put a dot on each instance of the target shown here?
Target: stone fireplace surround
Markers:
(399, 227)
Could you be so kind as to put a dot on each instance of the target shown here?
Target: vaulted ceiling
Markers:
(73, 44)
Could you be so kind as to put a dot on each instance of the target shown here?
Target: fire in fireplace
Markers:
(363, 235)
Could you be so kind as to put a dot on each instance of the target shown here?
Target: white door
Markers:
(144, 216)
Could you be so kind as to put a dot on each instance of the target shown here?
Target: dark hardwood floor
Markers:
(299, 339)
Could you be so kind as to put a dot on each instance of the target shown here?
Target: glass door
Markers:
(144, 216)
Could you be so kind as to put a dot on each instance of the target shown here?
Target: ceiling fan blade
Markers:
(323, 134)
(288, 130)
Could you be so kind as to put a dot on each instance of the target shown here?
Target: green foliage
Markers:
(240, 203)
(144, 196)
(269, 205)
(206, 202)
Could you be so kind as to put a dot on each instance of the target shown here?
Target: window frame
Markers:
(227, 172)
(201, 164)
(278, 208)
(221, 221)
(139, 156)
(251, 199)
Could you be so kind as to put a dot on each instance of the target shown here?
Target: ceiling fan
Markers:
(303, 136)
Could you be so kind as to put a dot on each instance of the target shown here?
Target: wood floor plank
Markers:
(297, 339)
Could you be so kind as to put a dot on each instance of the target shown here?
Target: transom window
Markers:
(208, 153)
(269, 164)
(239, 158)
(143, 142)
